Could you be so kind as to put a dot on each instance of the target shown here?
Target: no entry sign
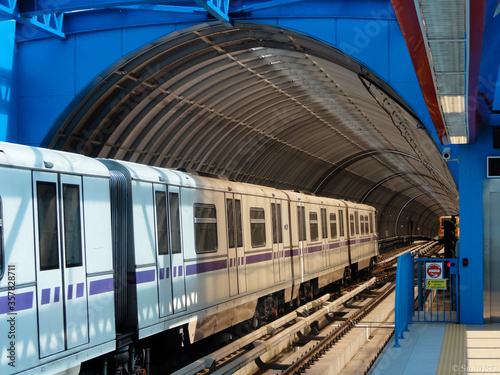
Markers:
(434, 270)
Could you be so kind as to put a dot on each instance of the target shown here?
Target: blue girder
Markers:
(217, 8)
(50, 23)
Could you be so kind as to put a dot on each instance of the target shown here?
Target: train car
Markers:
(97, 256)
(443, 220)
(56, 279)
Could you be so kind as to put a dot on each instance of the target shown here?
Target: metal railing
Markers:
(437, 299)
(435, 281)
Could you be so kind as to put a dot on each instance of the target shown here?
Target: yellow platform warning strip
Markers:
(453, 351)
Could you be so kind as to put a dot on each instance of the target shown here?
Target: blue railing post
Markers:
(404, 296)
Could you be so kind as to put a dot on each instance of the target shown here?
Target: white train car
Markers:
(56, 282)
(97, 255)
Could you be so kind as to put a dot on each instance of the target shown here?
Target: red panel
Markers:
(410, 27)
(477, 9)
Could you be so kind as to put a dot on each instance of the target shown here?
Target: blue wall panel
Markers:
(136, 37)
(94, 52)
(47, 67)
(319, 28)
(472, 175)
(366, 41)
(37, 114)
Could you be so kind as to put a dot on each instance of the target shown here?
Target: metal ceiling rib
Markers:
(264, 105)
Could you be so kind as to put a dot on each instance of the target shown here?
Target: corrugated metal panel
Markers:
(263, 105)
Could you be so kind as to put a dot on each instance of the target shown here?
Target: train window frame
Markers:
(162, 234)
(2, 256)
(277, 222)
(351, 224)
(230, 225)
(301, 221)
(258, 227)
(48, 261)
(205, 225)
(239, 223)
(341, 223)
(313, 226)
(174, 220)
(362, 224)
(333, 225)
(73, 256)
(324, 224)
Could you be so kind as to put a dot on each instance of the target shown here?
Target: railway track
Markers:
(297, 333)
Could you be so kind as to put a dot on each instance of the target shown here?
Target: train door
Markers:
(301, 224)
(235, 251)
(163, 264)
(177, 257)
(324, 236)
(170, 262)
(278, 250)
(61, 274)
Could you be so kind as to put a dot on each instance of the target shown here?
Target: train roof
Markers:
(304, 197)
(185, 179)
(34, 158)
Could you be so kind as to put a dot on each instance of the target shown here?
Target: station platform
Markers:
(442, 349)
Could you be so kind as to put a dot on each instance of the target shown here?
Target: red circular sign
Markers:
(434, 271)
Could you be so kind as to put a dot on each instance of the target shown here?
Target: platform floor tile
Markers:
(418, 353)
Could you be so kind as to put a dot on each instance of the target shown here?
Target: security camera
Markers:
(446, 153)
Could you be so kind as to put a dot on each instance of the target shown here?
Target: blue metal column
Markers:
(8, 82)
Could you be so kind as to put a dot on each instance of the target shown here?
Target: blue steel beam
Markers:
(49, 23)
(39, 7)
(217, 8)
(264, 5)
(164, 8)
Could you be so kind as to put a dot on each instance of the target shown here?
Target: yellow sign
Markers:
(435, 284)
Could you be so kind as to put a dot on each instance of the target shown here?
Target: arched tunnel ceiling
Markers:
(264, 105)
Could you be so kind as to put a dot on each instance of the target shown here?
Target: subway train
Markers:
(96, 256)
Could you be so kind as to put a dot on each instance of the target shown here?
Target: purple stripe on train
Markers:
(23, 301)
(194, 269)
(45, 296)
(101, 286)
(140, 277)
(259, 258)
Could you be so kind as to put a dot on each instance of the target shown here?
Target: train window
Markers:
(230, 222)
(362, 220)
(351, 220)
(72, 225)
(239, 226)
(47, 225)
(205, 227)
(333, 225)
(356, 221)
(313, 225)
(2, 267)
(367, 229)
(341, 223)
(175, 223)
(161, 222)
(276, 218)
(324, 224)
(301, 216)
(371, 222)
(258, 227)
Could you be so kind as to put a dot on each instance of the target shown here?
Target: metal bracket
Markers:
(269, 365)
